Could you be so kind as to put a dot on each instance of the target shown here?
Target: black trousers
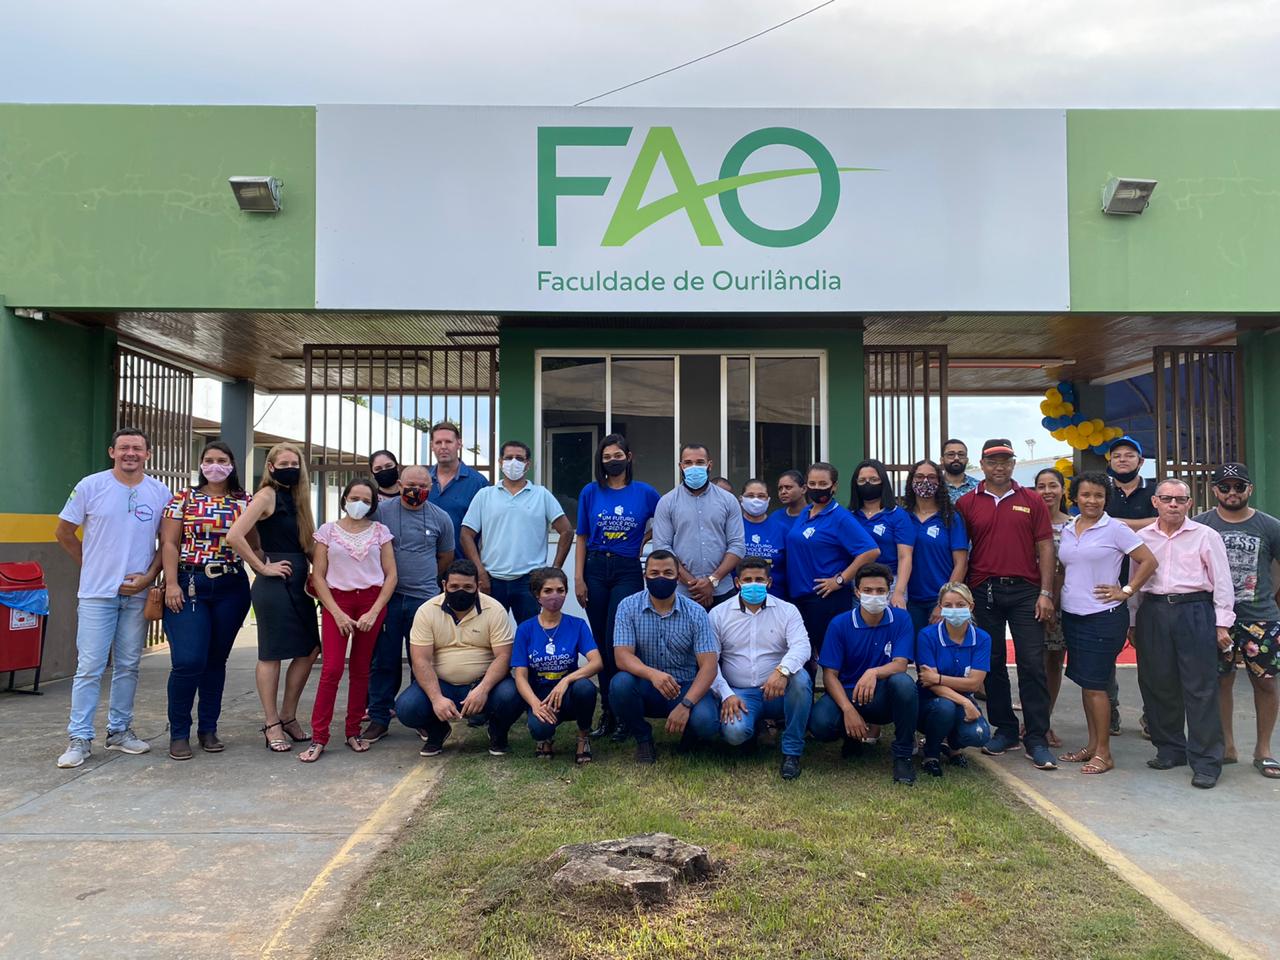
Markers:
(999, 604)
(1177, 647)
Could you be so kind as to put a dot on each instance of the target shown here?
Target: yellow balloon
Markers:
(1053, 395)
(1067, 409)
(1097, 424)
(1086, 428)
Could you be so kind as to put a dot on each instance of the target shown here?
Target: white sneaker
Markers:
(78, 751)
(126, 741)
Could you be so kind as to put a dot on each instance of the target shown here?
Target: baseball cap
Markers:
(999, 447)
(1127, 441)
(1231, 471)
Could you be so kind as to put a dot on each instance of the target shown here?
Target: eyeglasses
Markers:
(954, 455)
(1236, 487)
(1166, 498)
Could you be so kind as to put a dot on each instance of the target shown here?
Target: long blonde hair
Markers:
(301, 492)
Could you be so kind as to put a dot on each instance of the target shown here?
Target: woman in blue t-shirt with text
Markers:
(544, 659)
(874, 506)
(614, 512)
(766, 533)
(941, 551)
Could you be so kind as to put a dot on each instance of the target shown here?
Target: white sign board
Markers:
(560, 209)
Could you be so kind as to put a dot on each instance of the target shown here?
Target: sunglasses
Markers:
(1166, 498)
(1228, 487)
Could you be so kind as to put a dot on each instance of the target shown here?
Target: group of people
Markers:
(703, 609)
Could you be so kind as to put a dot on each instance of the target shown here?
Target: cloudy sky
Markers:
(1151, 53)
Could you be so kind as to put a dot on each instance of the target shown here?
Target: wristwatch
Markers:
(784, 671)
(715, 581)
(1046, 594)
(1127, 590)
(686, 703)
(840, 579)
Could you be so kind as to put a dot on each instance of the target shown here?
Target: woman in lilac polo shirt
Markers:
(1095, 615)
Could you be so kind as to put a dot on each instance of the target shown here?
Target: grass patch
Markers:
(840, 863)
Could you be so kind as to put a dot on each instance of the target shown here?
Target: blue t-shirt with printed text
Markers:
(768, 539)
(822, 546)
(615, 520)
(545, 651)
(853, 647)
(931, 558)
(889, 529)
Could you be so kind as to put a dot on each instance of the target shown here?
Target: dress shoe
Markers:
(1204, 781)
(210, 743)
(1161, 763)
(180, 749)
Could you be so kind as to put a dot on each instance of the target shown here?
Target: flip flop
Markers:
(1268, 767)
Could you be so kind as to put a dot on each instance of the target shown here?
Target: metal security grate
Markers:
(1199, 415)
(906, 412)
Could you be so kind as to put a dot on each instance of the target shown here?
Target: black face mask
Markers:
(817, 496)
(286, 476)
(1127, 477)
(870, 491)
(460, 601)
(660, 587)
(615, 468)
(954, 467)
(387, 477)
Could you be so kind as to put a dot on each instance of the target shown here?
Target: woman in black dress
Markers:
(286, 615)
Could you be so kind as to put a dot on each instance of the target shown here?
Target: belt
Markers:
(1010, 581)
(211, 570)
(553, 676)
(1196, 597)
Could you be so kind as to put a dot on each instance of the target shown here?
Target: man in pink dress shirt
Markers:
(1187, 610)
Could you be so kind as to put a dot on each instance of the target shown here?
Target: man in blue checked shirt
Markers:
(667, 660)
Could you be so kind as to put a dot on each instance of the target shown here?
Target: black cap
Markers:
(999, 447)
(1231, 471)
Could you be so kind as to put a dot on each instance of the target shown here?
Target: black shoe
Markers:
(903, 771)
(608, 725)
(851, 749)
(1204, 781)
(790, 768)
(932, 766)
(1161, 763)
(498, 745)
(434, 746)
(646, 752)
(373, 732)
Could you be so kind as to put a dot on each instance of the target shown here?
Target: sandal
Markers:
(1098, 765)
(275, 744)
(1077, 756)
(358, 745)
(583, 754)
(543, 750)
(312, 753)
(1268, 767)
(296, 738)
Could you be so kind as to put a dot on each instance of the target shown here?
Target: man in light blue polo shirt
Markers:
(453, 484)
(511, 519)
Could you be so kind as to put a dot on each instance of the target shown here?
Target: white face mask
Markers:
(513, 469)
(357, 509)
(755, 506)
(874, 603)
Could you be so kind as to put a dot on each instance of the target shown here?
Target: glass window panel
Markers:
(572, 424)
(700, 404)
(788, 411)
(644, 412)
(738, 466)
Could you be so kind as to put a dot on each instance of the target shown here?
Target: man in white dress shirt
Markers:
(763, 650)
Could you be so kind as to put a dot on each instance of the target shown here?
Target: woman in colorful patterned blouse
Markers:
(354, 576)
(206, 596)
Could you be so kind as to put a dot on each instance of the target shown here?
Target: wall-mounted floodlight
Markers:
(256, 194)
(1126, 195)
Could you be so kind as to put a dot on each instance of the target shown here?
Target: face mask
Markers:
(817, 496)
(387, 476)
(286, 476)
(460, 601)
(695, 478)
(753, 593)
(926, 489)
(954, 467)
(615, 468)
(357, 509)
(513, 469)
(660, 587)
(870, 491)
(874, 603)
(413, 496)
(755, 506)
(216, 472)
(957, 616)
(552, 603)
(1127, 477)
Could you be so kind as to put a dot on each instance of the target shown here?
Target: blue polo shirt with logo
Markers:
(455, 498)
(853, 647)
(822, 546)
(931, 559)
(888, 529)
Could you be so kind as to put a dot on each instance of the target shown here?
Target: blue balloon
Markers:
(1047, 423)
(1066, 389)
(1074, 511)
(1100, 448)
(1078, 418)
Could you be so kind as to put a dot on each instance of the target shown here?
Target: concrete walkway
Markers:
(1214, 852)
(240, 854)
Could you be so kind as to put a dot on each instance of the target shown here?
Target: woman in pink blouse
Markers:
(354, 574)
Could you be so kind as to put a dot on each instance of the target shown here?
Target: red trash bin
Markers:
(22, 631)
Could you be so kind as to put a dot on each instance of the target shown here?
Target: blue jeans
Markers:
(387, 669)
(792, 708)
(200, 640)
(610, 578)
(920, 611)
(515, 596)
(633, 699)
(106, 626)
(414, 710)
(578, 704)
(896, 701)
(942, 719)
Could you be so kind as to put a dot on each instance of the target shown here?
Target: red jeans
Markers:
(333, 646)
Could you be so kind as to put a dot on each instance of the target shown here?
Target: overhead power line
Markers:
(705, 56)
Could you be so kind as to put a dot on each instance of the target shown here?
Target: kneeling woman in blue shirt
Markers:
(545, 660)
(952, 660)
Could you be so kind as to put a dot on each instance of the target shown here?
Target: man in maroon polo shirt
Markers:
(1011, 568)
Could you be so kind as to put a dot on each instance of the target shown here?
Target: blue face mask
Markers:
(695, 478)
(753, 593)
(957, 616)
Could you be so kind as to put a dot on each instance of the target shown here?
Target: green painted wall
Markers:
(128, 206)
(57, 393)
(1210, 241)
(1261, 353)
(844, 369)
